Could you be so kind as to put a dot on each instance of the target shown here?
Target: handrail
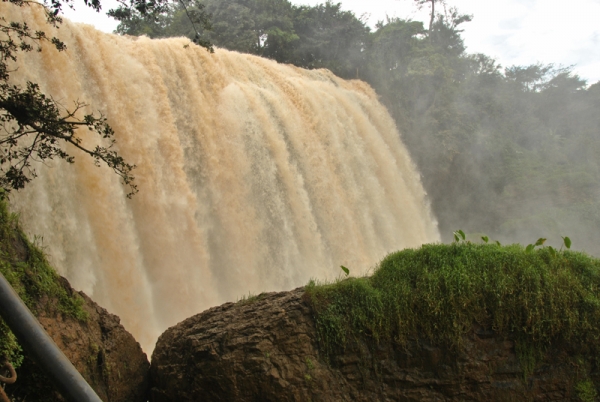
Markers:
(42, 348)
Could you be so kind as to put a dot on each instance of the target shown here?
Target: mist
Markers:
(509, 152)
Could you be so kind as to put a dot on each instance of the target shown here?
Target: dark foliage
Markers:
(323, 36)
(164, 19)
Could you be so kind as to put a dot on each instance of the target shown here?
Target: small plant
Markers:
(539, 242)
(250, 298)
(551, 250)
(309, 364)
(459, 236)
(346, 270)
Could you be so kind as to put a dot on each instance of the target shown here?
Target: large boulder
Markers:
(266, 349)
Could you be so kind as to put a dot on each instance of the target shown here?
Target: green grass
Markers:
(437, 292)
(27, 270)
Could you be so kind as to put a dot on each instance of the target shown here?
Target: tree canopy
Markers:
(323, 36)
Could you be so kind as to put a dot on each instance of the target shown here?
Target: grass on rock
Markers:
(437, 293)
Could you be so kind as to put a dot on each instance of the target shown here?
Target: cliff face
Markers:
(266, 349)
(107, 356)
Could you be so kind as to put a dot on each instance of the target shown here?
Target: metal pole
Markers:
(42, 348)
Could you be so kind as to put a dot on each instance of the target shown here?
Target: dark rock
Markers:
(266, 350)
(106, 355)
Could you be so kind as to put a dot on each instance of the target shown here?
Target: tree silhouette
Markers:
(421, 3)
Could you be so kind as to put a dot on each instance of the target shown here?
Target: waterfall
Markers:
(253, 176)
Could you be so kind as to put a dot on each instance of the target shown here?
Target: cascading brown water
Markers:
(253, 176)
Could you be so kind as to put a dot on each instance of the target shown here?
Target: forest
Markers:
(504, 151)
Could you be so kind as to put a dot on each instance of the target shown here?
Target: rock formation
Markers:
(100, 348)
(266, 349)
(107, 356)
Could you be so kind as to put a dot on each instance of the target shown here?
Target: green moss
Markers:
(586, 391)
(438, 291)
(27, 270)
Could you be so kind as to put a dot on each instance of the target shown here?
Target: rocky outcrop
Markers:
(266, 349)
(107, 356)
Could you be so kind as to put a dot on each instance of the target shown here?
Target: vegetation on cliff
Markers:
(539, 299)
(95, 342)
(26, 268)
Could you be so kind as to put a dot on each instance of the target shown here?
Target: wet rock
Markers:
(266, 350)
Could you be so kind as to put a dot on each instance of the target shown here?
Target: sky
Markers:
(514, 32)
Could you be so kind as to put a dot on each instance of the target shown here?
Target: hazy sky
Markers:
(520, 32)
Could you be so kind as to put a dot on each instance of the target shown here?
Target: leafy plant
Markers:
(539, 242)
(459, 235)
(551, 250)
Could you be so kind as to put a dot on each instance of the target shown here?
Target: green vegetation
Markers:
(436, 293)
(27, 270)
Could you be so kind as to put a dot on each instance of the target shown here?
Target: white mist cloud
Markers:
(524, 32)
